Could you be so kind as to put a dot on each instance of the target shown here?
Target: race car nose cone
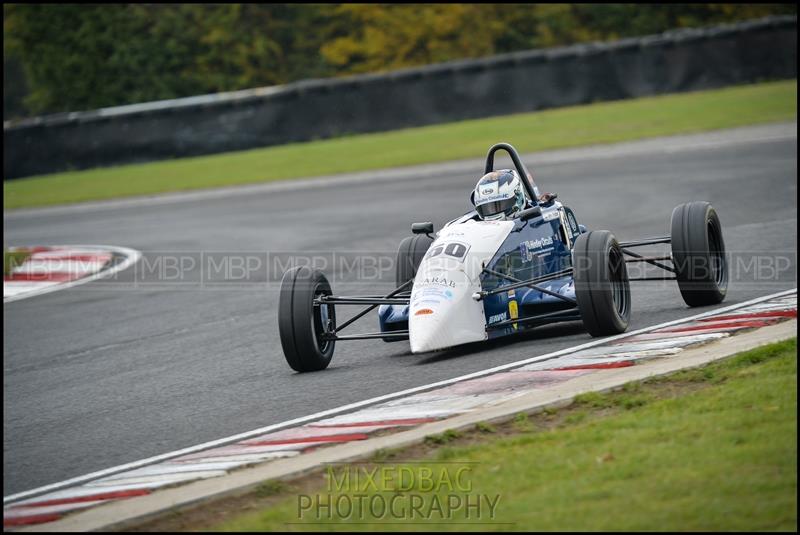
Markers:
(442, 312)
(427, 337)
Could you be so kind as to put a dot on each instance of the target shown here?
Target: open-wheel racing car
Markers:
(480, 278)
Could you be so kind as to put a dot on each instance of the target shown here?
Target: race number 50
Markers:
(454, 249)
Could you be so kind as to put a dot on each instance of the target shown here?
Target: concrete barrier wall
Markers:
(675, 61)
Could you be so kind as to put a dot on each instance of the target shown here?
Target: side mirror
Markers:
(422, 228)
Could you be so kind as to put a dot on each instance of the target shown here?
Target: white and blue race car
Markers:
(479, 279)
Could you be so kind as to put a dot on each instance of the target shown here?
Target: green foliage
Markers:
(89, 56)
(270, 488)
(593, 400)
(442, 438)
(521, 422)
(484, 427)
(385, 37)
(384, 454)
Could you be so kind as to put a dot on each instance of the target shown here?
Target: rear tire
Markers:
(301, 324)
(409, 257)
(698, 253)
(601, 283)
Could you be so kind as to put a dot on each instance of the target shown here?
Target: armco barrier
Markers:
(683, 60)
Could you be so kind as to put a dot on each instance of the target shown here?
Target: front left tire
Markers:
(301, 323)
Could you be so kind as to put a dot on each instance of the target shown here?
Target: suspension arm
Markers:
(530, 283)
(646, 241)
(650, 260)
(372, 306)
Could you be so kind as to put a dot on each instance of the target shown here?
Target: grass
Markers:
(557, 128)
(713, 448)
(12, 259)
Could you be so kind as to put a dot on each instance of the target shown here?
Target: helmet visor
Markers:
(495, 207)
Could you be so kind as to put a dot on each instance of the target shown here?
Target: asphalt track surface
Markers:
(115, 371)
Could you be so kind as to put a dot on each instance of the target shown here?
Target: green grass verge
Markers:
(557, 128)
(12, 259)
(713, 448)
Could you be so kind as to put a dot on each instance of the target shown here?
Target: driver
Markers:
(500, 195)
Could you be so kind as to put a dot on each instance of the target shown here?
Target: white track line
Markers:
(372, 401)
(131, 257)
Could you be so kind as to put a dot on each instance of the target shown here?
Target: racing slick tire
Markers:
(602, 288)
(698, 254)
(409, 256)
(301, 324)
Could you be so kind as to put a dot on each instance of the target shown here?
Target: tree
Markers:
(87, 56)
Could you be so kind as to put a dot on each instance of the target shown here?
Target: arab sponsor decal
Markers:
(436, 281)
(498, 317)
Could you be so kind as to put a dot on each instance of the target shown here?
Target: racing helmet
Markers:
(498, 195)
